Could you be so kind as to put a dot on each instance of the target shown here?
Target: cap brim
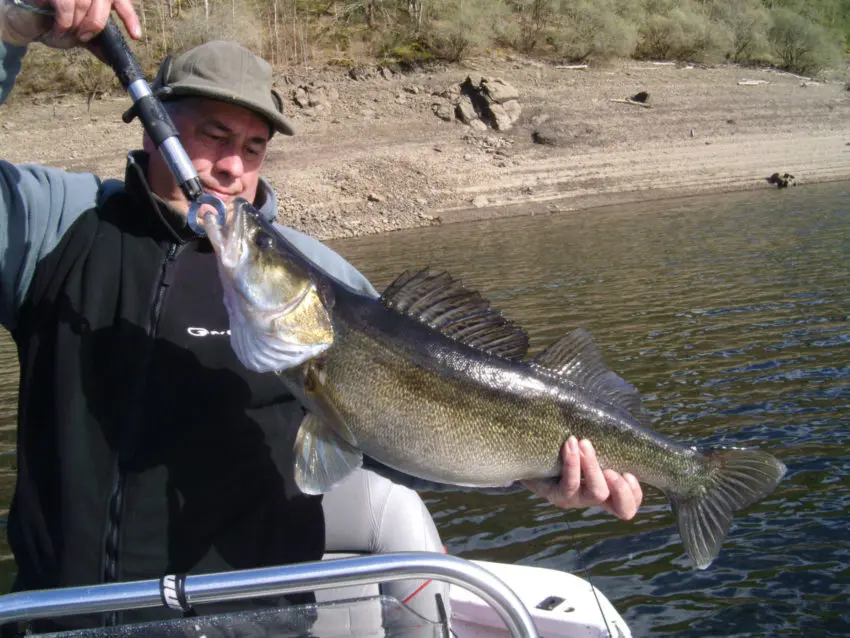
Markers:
(278, 120)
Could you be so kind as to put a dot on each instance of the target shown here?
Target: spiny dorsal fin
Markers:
(576, 357)
(446, 305)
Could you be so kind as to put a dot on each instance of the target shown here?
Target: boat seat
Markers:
(369, 514)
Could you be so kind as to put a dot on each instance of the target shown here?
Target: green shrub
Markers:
(593, 29)
(800, 45)
(529, 24)
(747, 22)
(684, 33)
(462, 26)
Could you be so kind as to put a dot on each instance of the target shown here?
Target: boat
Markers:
(385, 573)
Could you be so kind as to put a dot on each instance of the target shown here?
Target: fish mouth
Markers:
(229, 239)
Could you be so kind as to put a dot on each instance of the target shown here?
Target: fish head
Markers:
(278, 318)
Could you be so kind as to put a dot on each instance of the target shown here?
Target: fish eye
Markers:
(264, 241)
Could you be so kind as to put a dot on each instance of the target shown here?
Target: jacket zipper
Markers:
(116, 500)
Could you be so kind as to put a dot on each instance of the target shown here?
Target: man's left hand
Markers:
(619, 494)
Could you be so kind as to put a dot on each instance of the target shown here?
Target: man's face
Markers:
(227, 145)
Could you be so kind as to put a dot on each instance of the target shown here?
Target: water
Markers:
(731, 314)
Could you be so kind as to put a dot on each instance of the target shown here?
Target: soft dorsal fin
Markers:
(576, 357)
(446, 305)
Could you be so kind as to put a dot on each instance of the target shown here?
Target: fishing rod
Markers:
(156, 122)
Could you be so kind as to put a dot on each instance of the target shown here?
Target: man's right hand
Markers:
(75, 22)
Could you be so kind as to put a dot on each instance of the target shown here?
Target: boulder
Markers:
(361, 73)
(499, 118)
(513, 108)
(465, 110)
(498, 91)
(443, 111)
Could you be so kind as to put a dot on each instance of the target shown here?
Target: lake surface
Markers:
(731, 314)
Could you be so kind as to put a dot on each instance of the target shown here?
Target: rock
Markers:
(642, 97)
(513, 109)
(498, 90)
(450, 93)
(361, 73)
(549, 135)
(465, 111)
(374, 197)
(386, 73)
(478, 125)
(413, 89)
(318, 97)
(500, 118)
(301, 98)
(443, 111)
(782, 181)
(480, 201)
(540, 118)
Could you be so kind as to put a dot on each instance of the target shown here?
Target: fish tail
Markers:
(735, 479)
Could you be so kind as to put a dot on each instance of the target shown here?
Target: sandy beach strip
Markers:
(376, 158)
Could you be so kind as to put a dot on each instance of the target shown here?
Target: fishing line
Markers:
(583, 568)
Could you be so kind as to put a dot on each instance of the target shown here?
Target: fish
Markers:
(433, 381)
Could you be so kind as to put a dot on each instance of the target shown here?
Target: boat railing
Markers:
(183, 592)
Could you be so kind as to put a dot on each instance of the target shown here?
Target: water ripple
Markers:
(732, 316)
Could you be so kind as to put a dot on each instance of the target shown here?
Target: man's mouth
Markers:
(223, 195)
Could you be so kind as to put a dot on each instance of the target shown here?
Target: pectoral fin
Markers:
(322, 459)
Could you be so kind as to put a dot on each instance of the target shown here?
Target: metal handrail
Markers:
(276, 581)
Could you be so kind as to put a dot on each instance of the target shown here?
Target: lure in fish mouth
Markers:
(432, 381)
(277, 317)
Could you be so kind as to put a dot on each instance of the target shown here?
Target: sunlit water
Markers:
(731, 314)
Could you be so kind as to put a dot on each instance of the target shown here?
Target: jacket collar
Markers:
(136, 183)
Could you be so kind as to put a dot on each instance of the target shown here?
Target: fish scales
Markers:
(430, 380)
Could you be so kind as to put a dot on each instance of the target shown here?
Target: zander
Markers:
(430, 380)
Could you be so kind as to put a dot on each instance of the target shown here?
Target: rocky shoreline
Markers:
(379, 150)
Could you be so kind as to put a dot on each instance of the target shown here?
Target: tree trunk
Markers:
(415, 9)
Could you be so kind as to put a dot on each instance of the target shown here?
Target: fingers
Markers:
(125, 11)
(63, 19)
(595, 485)
(634, 485)
(571, 471)
(94, 20)
(84, 19)
(622, 500)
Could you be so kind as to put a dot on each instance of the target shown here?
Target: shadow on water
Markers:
(731, 315)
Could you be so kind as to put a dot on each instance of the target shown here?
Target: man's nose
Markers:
(230, 162)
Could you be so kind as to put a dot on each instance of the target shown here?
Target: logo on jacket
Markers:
(195, 331)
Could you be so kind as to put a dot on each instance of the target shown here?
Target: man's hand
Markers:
(75, 22)
(620, 494)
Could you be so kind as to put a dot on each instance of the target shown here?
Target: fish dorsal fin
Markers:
(576, 358)
(446, 305)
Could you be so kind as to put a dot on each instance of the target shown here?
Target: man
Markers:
(144, 447)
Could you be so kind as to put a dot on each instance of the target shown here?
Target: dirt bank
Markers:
(373, 156)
